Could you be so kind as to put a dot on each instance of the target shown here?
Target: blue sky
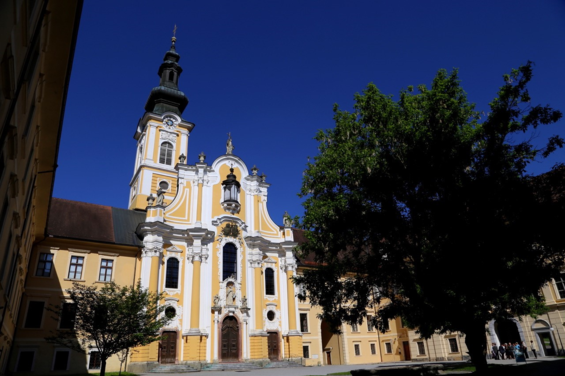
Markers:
(269, 72)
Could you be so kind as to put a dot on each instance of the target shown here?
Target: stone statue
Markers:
(230, 296)
(202, 157)
(160, 197)
(286, 219)
(244, 302)
(229, 145)
(216, 300)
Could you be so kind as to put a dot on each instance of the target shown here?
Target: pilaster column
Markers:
(290, 269)
(196, 254)
(150, 268)
(259, 296)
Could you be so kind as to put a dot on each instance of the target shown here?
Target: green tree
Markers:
(111, 319)
(422, 207)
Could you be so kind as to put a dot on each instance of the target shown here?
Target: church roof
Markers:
(90, 222)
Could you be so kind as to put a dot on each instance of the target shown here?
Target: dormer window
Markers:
(166, 153)
(231, 193)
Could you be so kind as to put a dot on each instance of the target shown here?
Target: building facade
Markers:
(202, 235)
(37, 40)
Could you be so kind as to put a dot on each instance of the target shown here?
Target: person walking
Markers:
(525, 349)
(501, 351)
(533, 349)
(494, 351)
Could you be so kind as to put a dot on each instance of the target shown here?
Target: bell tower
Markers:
(162, 136)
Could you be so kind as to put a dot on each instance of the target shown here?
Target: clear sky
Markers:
(269, 72)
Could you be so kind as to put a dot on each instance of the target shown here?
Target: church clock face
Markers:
(169, 123)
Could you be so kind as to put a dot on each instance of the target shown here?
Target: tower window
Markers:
(172, 276)
(269, 281)
(166, 153)
(171, 76)
(230, 261)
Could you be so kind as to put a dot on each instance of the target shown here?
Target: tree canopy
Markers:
(426, 206)
(111, 319)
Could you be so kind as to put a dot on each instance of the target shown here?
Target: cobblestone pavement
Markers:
(547, 366)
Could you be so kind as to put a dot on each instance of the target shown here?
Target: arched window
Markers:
(269, 281)
(166, 153)
(230, 261)
(172, 275)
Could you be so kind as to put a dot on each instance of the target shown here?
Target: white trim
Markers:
(269, 263)
(49, 252)
(114, 265)
(179, 258)
(357, 348)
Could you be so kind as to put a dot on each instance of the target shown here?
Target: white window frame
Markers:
(26, 349)
(170, 290)
(274, 269)
(307, 322)
(270, 263)
(556, 286)
(61, 349)
(67, 301)
(354, 328)
(111, 257)
(373, 348)
(357, 348)
(90, 351)
(456, 344)
(51, 251)
(33, 299)
(161, 142)
(370, 326)
(78, 253)
(418, 343)
(309, 353)
(387, 345)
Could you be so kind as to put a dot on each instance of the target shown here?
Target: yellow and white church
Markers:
(202, 235)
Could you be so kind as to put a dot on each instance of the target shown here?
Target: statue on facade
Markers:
(230, 295)
(244, 302)
(229, 145)
(216, 300)
(160, 197)
(286, 219)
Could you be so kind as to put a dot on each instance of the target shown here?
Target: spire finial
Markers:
(174, 38)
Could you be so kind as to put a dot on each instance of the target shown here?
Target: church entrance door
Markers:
(273, 345)
(230, 340)
(169, 347)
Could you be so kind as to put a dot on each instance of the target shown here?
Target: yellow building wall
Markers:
(194, 348)
(258, 348)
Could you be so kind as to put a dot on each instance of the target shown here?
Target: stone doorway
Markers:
(230, 340)
(273, 346)
(169, 347)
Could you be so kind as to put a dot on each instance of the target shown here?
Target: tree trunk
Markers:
(475, 341)
(103, 367)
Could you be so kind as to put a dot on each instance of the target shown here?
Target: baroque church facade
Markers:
(202, 235)
(209, 243)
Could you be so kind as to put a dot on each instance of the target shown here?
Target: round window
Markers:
(164, 185)
(170, 312)
(271, 315)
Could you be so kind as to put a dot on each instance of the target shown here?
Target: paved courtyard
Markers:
(547, 366)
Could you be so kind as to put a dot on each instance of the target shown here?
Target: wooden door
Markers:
(328, 358)
(169, 347)
(273, 345)
(406, 347)
(230, 340)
